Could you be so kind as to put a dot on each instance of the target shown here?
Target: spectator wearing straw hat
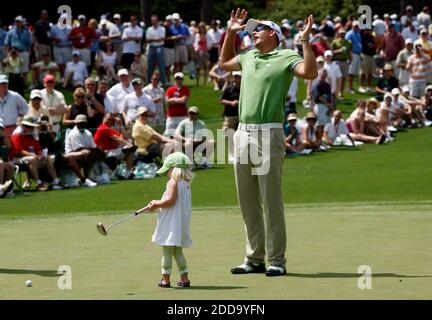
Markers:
(309, 137)
(386, 83)
(292, 135)
(36, 107)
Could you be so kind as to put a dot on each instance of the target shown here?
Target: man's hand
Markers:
(309, 22)
(236, 23)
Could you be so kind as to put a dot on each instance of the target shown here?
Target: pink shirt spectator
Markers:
(392, 44)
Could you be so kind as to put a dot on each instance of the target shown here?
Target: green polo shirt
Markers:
(266, 79)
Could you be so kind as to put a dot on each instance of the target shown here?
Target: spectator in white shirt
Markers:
(135, 100)
(119, 91)
(55, 102)
(157, 93)
(155, 36)
(334, 75)
(424, 17)
(76, 71)
(410, 31)
(336, 132)
(108, 102)
(131, 37)
(81, 151)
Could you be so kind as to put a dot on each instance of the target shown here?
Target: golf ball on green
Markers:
(28, 283)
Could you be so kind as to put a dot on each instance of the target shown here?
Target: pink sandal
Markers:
(164, 284)
(183, 284)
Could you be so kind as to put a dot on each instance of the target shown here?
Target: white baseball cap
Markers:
(117, 16)
(408, 41)
(35, 94)
(103, 21)
(169, 17)
(176, 16)
(236, 73)
(19, 18)
(122, 72)
(3, 79)
(252, 24)
(429, 87)
(179, 75)
(76, 53)
(395, 91)
(82, 17)
(388, 95)
(328, 53)
(406, 88)
(393, 16)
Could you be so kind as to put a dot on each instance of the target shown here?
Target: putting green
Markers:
(326, 245)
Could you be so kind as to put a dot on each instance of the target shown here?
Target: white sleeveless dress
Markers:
(173, 224)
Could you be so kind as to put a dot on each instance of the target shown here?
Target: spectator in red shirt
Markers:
(238, 41)
(82, 38)
(393, 43)
(320, 46)
(177, 98)
(113, 143)
(25, 149)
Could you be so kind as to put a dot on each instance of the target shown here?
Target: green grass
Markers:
(344, 208)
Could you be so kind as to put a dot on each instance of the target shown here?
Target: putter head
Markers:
(100, 227)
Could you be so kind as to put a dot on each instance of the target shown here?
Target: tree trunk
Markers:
(145, 11)
(206, 10)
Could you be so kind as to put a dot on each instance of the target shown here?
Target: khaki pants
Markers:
(260, 196)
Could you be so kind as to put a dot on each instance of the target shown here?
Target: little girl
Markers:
(173, 224)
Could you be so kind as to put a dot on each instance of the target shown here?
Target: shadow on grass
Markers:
(42, 273)
(210, 288)
(322, 275)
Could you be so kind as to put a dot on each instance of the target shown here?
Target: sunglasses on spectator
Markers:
(262, 27)
(80, 97)
(155, 79)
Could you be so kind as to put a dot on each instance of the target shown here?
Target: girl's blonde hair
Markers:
(181, 173)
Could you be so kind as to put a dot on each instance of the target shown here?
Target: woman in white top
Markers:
(173, 225)
(106, 62)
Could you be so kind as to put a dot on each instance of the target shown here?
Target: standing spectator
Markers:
(418, 65)
(177, 98)
(95, 101)
(219, 77)
(14, 66)
(396, 22)
(386, 83)
(354, 69)
(41, 68)
(424, 18)
(155, 36)
(367, 67)
(108, 103)
(12, 107)
(214, 34)
(180, 30)
(25, 149)
(342, 55)
(112, 142)
(334, 77)
(288, 42)
(82, 38)
(323, 98)
(410, 31)
(135, 100)
(106, 62)
(425, 42)
(75, 72)
(3, 35)
(138, 68)
(320, 46)
(19, 38)
(119, 91)
(42, 36)
(55, 102)
(157, 93)
(291, 99)
(115, 34)
(409, 15)
(62, 45)
(401, 62)
(230, 100)
(96, 44)
(169, 45)
(131, 37)
(379, 28)
(392, 44)
(201, 46)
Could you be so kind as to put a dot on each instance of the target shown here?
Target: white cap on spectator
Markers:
(35, 94)
(423, 30)
(394, 16)
(19, 18)
(176, 16)
(3, 79)
(388, 95)
(169, 17)
(429, 87)
(179, 75)
(117, 16)
(103, 21)
(122, 72)
(408, 40)
(319, 59)
(328, 53)
(395, 91)
(81, 17)
(236, 73)
(406, 88)
(355, 23)
(386, 15)
(76, 53)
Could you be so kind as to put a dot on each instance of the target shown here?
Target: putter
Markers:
(104, 231)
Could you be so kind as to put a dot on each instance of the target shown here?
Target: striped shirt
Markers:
(419, 67)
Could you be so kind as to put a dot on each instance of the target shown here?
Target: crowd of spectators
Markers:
(130, 102)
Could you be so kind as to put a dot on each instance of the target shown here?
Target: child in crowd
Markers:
(173, 225)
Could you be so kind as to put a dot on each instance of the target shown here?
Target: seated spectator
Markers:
(150, 143)
(55, 102)
(113, 143)
(81, 151)
(418, 107)
(109, 105)
(157, 93)
(41, 68)
(36, 107)
(308, 133)
(323, 98)
(75, 72)
(119, 91)
(391, 110)
(78, 107)
(336, 132)
(402, 109)
(177, 98)
(106, 62)
(25, 149)
(219, 77)
(386, 83)
(14, 66)
(47, 137)
(139, 68)
(292, 136)
(370, 119)
(6, 167)
(426, 105)
(358, 131)
(188, 132)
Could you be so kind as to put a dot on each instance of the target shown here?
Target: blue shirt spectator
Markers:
(3, 34)
(180, 30)
(355, 38)
(19, 39)
(61, 36)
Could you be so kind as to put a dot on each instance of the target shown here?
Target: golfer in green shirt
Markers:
(267, 74)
